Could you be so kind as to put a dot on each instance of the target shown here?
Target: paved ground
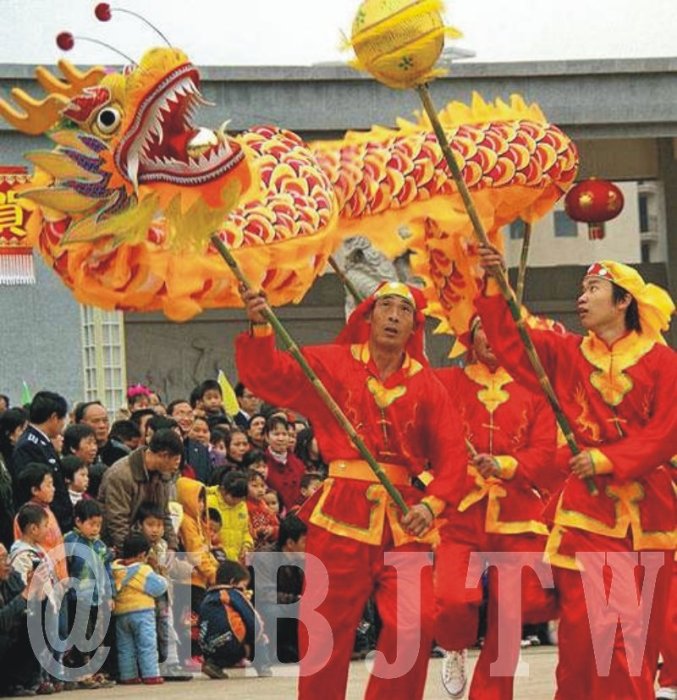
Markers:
(538, 685)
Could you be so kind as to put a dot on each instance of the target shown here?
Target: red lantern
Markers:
(593, 202)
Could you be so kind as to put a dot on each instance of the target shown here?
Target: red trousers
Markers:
(355, 572)
(458, 600)
(585, 672)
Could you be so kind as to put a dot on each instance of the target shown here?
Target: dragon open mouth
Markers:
(163, 145)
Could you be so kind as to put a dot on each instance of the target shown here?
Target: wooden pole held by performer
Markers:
(319, 387)
(501, 278)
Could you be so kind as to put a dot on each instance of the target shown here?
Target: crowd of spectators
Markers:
(157, 516)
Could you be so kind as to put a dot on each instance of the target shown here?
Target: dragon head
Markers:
(127, 144)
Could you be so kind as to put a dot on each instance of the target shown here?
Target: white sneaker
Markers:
(667, 693)
(454, 676)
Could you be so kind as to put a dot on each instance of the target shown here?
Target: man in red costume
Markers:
(378, 374)
(616, 386)
(512, 433)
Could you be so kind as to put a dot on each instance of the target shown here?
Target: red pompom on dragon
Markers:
(133, 190)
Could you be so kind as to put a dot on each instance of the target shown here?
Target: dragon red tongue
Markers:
(176, 145)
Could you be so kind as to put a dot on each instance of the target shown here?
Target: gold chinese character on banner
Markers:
(16, 215)
(11, 214)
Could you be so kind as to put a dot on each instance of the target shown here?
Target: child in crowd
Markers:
(138, 397)
(35, 485)
(89, 562)
(193, 535)
(212, 397)
(124, 437)
(76, 476)
(256, 461)
(273, 502)
(263, 523)
(25, 556)
(230, 629)
(310, 483)
(137, 587)
(285, 469)
(150, 522)
(218, 452)
(214, 524)
(229, 500)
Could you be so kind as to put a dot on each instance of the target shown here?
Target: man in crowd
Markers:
(94, 414)
(195, 454)
(143, 476)
(378, 374)
(616, 386)
(248, 403)
(47, 418)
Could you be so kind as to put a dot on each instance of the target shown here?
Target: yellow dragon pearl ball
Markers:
(398, 41)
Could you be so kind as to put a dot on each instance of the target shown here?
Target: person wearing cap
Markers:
(377, 372)
(616, 386)
(511, 431)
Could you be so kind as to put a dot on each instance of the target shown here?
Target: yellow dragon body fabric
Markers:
(132, 191)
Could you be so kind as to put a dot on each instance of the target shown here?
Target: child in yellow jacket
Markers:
(194, 537)
(230, 500)
(136, 588)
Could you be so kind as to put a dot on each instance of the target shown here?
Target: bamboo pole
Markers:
(345, 280)
(319, 387)
(501, 278)
(522, 273)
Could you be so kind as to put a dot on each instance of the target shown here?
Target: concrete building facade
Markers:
(622, 115)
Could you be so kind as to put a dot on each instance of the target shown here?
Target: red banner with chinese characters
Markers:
(16, 256)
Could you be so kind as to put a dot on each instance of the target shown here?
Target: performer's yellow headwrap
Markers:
(654, 303)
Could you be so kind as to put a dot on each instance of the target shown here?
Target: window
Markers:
(103, 355)
(565, 227)
(517, 230)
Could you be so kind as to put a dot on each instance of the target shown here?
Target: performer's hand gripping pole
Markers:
(500, 277)
(321, 390)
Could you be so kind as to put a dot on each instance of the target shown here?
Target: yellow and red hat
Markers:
(357, 327)
(654, 303)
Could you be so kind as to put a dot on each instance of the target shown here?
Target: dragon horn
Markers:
(76, 80)
(37, 116)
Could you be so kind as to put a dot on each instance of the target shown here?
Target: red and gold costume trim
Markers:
(620, 402)
(610, 378)
(516, 428)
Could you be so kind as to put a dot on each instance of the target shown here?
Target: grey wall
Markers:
(40, 337)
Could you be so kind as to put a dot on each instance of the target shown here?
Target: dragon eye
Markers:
(108, 120)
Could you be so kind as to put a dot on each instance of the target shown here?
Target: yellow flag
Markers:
(230, 403)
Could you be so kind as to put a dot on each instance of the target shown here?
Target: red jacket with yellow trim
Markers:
(620, 403)
(407, 420)
(517, 427)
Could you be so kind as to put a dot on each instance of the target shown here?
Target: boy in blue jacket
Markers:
(229, 626)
